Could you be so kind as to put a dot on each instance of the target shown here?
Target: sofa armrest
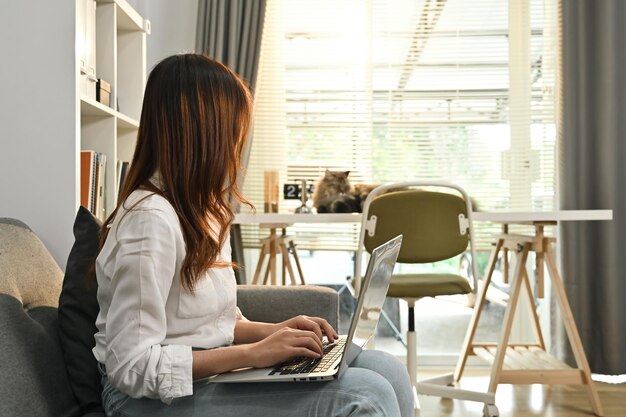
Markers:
(273, 304)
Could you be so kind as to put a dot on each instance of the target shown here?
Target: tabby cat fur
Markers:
(334, 193)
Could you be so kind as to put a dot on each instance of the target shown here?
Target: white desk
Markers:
(530, 217)
(509, 217)
(291, 218)
(539, 219)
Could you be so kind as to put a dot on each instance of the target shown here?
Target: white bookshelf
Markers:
(49, 115)
(120, 59)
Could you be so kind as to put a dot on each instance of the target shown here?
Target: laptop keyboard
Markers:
(304, 365)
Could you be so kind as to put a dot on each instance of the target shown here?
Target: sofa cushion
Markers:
(34, 381)
(78, 310)
(274, 304)
(29, 273)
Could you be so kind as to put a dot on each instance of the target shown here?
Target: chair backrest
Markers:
(429, 220)
(436, 222)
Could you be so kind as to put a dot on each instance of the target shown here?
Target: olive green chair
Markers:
(435, 219)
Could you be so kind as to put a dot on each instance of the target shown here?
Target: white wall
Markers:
(173, 27)
(39, 119)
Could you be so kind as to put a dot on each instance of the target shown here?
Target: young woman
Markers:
(166, 288)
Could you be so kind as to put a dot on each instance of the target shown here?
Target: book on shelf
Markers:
(100, 195)
(87, 160)
(92, 182)
(121, 175)
(118, 173)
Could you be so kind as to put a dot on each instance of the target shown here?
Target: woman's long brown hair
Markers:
(194, 121)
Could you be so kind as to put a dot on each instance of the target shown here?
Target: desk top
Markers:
(278, 218)
(481, 216)
(542, 216)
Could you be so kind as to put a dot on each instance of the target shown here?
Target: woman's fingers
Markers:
(327, 329)
(303, 323)
(304, 338)
(317, 325)
(324, 328)
(312, 342)
(307, 323)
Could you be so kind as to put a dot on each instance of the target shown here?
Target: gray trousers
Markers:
(375, 384)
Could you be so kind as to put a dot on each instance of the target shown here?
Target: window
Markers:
(407, 89)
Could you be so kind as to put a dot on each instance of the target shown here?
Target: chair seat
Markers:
(427, 285)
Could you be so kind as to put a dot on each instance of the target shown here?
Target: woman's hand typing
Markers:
(317, 325)
(284, 344)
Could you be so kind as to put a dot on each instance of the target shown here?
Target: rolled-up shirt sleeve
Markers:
(145, 263)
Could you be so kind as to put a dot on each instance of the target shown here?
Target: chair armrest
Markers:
(273, 304)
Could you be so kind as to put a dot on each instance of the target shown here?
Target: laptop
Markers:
(338, 355)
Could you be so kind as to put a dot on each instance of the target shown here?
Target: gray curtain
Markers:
(230, 32)
(592, 134)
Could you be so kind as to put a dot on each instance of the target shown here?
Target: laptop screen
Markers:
(379, 271)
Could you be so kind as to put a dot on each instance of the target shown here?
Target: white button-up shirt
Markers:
(148, 323)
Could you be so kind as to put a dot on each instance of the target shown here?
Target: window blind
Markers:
(407, 89)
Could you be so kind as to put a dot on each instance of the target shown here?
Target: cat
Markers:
(334, 193)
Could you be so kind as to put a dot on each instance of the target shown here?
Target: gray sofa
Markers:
(34, 378)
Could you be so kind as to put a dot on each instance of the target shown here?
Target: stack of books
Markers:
(93, 185)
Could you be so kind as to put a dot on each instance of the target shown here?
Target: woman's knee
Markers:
(394, 371)
(384, 364)
(367, 393)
